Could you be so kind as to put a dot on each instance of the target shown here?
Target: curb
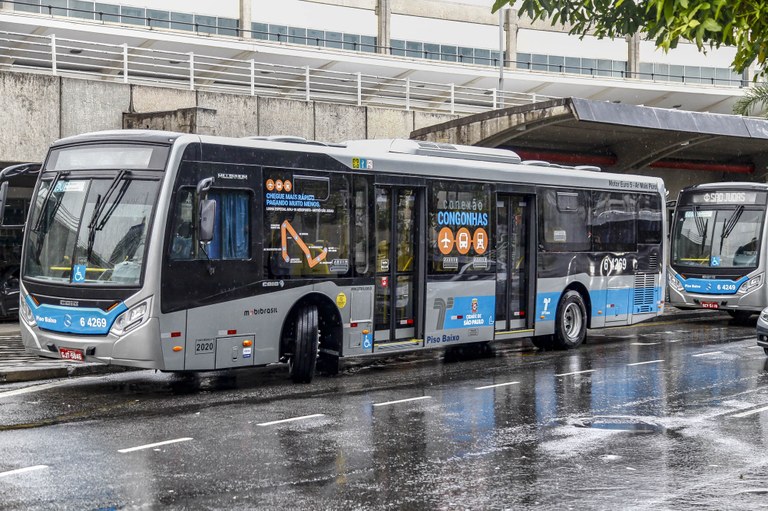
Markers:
(49, 373)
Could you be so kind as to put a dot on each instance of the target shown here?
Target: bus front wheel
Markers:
(740, 317)
(301, 364)
(571, 321)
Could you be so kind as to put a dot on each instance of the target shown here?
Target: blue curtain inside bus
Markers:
(230, 236)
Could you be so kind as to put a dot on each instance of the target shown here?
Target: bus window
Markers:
(649, 218)
(563, 219)
(460, 228)
(231, 235)
(306, 224)
(361, 226)
(614, 222)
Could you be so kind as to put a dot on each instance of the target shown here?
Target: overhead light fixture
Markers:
(75, 51)
(174, 62)
(676, 106)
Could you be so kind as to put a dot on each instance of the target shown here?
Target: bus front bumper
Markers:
(138, 348)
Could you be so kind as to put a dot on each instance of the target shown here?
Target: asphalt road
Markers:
(668, 415)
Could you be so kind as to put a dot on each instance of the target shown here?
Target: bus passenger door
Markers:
(397, 266)
(513, 260)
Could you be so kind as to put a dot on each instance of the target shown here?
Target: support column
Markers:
(511, 26)
(246, 18)
(633, 56)
(384, 25)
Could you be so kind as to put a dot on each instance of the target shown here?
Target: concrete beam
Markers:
(491, 129)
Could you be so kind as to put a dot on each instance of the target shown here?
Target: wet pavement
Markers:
(667, 415)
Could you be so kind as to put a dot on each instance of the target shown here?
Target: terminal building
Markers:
(332, 70)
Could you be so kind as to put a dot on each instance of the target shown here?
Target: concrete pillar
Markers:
(511, 26)
(633, 56)
(245, 18)
(384, 25)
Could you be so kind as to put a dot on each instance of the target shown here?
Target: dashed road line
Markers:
(707, 353)
(646, 362)
(34, 388)
(23, 470)
(156, 444)
(750, 412)
(577, 372)
(292, 419)
(497, 385)
(402, 401)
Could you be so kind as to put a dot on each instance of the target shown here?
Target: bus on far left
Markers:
(17, 183)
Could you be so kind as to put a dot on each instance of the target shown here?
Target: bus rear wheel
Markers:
(301, 364)
(571, 321)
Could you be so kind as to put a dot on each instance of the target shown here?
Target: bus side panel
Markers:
(172, 329)
(460, 312)
(217, 335)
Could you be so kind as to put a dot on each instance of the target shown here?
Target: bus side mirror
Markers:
(206, 211)
(207, 220)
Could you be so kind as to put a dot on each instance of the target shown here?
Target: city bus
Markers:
(16, 185)
(716, 261)
(190, 253)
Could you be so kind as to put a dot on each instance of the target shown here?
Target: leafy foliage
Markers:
(755, 98)
(742, 24)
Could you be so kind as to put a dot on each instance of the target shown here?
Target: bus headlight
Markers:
(673, 282)
(131, 318)
(26, 313)
(751, 284)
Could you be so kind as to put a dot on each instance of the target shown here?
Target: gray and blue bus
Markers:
(190, 253)
(716, 259)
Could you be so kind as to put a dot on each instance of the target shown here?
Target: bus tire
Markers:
(571, 321)
(301, 365)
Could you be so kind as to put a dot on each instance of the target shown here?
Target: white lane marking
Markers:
(644, 343)
(22, 470)
(402, 401)
(750, 412)
(33, 388)
(577, 372)
(754, 347)
(707, 353)
(647, 362)
(497, 385)
(157, 444)
(291, 419)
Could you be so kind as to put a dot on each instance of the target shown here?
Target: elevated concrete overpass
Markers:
(682, 147)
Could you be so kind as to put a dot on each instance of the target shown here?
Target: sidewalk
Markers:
(18, 366)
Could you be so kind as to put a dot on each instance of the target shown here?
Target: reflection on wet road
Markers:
(659, 416)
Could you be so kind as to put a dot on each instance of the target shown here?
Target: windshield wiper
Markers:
(54, 182)
(730, 224)
(94, 224)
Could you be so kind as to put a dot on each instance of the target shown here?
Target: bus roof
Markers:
(402, 156)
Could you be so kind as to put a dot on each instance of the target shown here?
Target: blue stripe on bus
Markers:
(74, 320)
(711, 286)
(609, 302)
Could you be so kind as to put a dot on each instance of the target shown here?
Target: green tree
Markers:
(741, 24)
(755, 99)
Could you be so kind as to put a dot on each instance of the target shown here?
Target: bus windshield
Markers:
(89, 230)
(723, 237)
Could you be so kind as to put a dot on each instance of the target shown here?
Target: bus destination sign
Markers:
(728, 197)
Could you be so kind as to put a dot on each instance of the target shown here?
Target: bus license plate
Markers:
(710, 305)
(72, 354)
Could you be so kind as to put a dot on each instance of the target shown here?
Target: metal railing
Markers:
(195, 71)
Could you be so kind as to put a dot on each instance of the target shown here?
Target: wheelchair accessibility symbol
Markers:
(78, 273)
(367, 342)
